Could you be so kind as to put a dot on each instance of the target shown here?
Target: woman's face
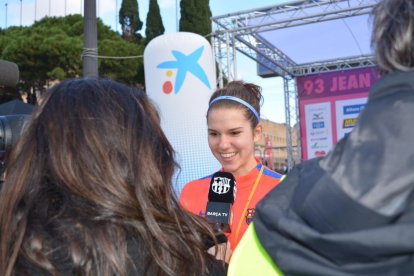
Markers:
(231, 139)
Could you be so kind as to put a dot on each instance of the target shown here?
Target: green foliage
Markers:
(154, 26)
(51, 49)
(195, 17)
(129, 20)
(125, 70)
(105, 32)
(57, 74)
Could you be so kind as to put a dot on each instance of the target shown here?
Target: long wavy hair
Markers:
(393, 35)
(90, 176)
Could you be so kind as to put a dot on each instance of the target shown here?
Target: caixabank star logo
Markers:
(183, 64)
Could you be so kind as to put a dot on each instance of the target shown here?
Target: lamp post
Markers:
(35, 10)
(90, 40)
(21, 12)
(6, 17)
(176, 15)
(116, 15)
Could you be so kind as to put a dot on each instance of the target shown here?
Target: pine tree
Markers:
(154, 26)
(129, 20)
(195, 17)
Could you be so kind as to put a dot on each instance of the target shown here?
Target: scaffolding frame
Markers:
(240, 32)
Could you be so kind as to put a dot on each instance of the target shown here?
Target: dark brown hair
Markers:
(247, 92)
(92, 171)
(393, 35)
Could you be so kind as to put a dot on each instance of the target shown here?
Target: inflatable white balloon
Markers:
(180, 78)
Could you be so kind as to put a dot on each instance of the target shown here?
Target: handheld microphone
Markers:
(221, 195)
(9, 73)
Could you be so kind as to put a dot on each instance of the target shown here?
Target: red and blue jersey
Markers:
(194, 198)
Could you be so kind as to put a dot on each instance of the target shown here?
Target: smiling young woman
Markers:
(233, 120)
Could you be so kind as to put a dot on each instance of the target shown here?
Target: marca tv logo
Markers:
(183, 64)
(221, 185)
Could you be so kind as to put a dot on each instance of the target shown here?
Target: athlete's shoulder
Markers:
(194, 192)
(197, 184)
(272, 174)
(205, 179)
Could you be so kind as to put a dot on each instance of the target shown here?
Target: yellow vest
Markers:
(250, 258)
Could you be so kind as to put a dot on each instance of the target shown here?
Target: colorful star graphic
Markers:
(185, 64)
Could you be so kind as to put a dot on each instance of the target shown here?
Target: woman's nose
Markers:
(224, 142)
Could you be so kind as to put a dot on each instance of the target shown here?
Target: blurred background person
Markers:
(88, 191)
(233, 120)
(352, 212)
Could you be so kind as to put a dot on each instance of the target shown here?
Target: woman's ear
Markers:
(257, 133)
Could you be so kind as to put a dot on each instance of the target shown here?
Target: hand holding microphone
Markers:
(221, 196)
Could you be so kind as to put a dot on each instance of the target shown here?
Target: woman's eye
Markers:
(235, 133)
(212, 134)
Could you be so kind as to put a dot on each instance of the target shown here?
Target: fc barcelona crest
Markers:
(221, 185)
(250, 215)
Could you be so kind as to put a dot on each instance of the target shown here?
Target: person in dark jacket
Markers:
(88, 191)
(352, 212)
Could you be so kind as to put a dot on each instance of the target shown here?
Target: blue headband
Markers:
(231, 98)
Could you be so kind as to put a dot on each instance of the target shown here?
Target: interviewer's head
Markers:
(102, 140)
(393, 35)
(92, 170)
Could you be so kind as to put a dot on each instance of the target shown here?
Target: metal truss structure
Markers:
(242, 32)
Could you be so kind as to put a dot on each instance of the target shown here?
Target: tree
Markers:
(154, 26)
(129, 20)
(124, 70)
(39, 51)
(51, 50)
(195, 17)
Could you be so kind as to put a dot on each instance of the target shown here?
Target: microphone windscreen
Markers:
(222, 188)
(9, 73)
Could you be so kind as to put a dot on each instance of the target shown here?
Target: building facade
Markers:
(272, 146)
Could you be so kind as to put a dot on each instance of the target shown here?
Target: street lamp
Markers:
(176, 15)
(6, 16)
(21, 12)
(90, 40)
(116, 15)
